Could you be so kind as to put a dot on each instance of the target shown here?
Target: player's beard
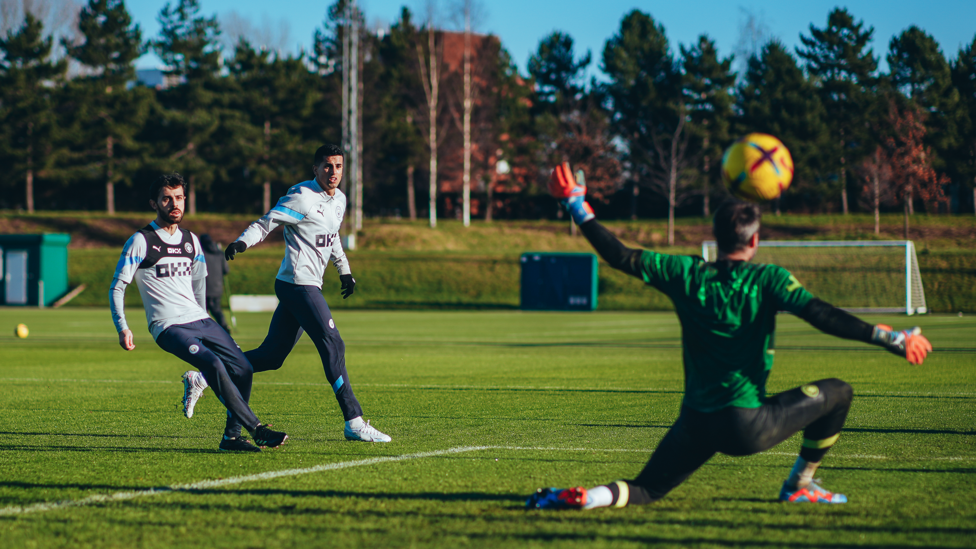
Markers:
(174, 216)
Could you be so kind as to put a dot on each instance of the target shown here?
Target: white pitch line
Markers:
(123, 496)
(205, 484)
(465, 387)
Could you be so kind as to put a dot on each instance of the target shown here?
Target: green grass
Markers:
(584, 398)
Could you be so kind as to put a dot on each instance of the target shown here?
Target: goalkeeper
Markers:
(728, 312)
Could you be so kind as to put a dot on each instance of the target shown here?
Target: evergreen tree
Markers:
(570, 123)
(708, 86)
(189, 44)
(103, 115)
(270, 103)
(650, 113)
(402, 143)
(843, 69)
(777, 99)
(964, 80)
(28, 128)
(920, 71)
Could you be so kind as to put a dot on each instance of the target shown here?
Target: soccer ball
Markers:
(757, 167)
(21, 331)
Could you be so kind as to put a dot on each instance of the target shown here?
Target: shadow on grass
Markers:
(596, 522)
(911, 431)
(87, 435)
(107, 449)
(68, 486)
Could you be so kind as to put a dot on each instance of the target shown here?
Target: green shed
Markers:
(34, 268)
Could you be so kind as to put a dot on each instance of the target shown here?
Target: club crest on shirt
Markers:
(194, 349)
(339, 213)
(188, 247)
(331, 324)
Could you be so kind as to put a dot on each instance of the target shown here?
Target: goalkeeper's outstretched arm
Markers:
(572, 195)
(611, 249)
(823, 316)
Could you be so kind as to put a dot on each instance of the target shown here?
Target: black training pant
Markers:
(303, 309)
(696, 436)
(210, 349)
(213, 307)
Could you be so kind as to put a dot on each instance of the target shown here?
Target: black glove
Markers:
(348, 285)
(233, 249)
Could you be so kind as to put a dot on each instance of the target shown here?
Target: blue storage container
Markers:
(558, 281)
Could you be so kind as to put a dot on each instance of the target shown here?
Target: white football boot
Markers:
(365, 433)
(193, 386)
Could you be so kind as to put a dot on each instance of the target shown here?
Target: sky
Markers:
(521, 24)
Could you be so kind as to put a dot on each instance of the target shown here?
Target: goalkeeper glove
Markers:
(572, 195)
(348, 285)
(909, 343)
(233, 249)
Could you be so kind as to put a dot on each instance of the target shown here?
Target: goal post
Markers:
(865, 276)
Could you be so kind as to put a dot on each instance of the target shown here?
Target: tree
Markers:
(28, 79)
(920, 71)
(910, 159)
(106, 116)
(429, 60)
(842, 68)
(273, 96)
(398, 87)
(964, 80)
(776, 98)
(707, 90)
(189, 44)
(649, 111)
(570, 123)
(508, 136)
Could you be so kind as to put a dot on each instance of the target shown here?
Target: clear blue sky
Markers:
(521, 24)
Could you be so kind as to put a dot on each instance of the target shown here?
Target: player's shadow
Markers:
(85, 435)
(910, 431)
(421, 496)
(69, 486)
(108, 449)
(679, 541)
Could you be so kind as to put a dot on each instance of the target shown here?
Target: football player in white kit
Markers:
(311, 213)
(168, 266)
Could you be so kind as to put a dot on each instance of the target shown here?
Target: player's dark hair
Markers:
(169, 180)
(734, 224)
(326, 151)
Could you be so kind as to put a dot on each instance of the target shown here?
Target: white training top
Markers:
(172, 282)
(311, 219)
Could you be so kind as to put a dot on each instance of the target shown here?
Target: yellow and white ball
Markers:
(21, 331)
(757, 167)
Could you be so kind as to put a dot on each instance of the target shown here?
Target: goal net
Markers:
(859, 276)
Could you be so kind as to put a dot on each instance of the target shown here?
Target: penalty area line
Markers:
(203, 485)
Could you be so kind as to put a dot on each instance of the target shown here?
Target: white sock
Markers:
(601, 496)
(356, 423)
(802, 474)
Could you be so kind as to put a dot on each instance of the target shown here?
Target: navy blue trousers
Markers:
(208, 348)
(302, 309)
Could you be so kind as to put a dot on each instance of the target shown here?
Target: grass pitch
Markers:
(483, 407)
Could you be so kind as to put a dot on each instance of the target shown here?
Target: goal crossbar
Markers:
(914, 294)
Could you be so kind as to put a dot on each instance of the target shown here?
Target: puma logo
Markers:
(157, 248)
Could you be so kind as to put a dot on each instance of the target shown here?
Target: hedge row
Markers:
(463, 280)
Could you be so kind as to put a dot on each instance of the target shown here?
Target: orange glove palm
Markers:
(909, 343)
